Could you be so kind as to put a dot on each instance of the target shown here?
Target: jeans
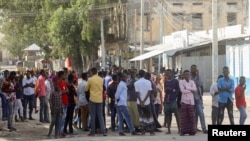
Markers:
(46, 109)
(28, 99)
(243, 114)
(229, 106)
(4, 106)
(96, 109)
(62, 119)
(10, 112)
(55, 120)
(113, 115)
(123, 114)
(199, 113)
(157, 110)
(18, 106)
(69, 119)
(43, 109)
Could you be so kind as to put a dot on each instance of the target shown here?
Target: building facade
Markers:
(163, 17)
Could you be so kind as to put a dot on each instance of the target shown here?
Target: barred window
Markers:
(178, 21)
(197, 23)
(231, 19)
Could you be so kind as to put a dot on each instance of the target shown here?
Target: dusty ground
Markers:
(34, 130)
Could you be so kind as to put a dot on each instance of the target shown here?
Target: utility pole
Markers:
(135, 27)
(150, 22)
(214, 42)
(102, 46)
(248, 16)
(161, 34)
(142, 34)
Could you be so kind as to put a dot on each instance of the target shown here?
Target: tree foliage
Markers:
(61, 28)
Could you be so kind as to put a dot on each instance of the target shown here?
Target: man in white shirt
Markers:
(215, 105)
(83, 101)
(28, 94)
(143, 90)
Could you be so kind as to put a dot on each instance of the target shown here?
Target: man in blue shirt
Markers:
(122, 108)
(226, 89)
(171, 87)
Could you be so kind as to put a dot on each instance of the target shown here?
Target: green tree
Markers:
(75, 33)
(61, 28)
(25, 22)
(18, 25)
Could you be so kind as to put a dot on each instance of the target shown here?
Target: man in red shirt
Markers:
(65, 102)
(41, 92)
(240, 99)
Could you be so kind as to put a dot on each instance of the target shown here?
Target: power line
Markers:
(168, 12)
(29, 2)
(89, 7)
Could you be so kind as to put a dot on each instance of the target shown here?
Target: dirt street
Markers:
(34, 130)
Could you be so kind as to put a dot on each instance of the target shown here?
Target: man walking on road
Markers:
(122, 106)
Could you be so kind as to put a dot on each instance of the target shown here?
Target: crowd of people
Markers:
(134, 100)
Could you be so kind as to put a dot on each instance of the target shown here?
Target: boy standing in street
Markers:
(240, 100)
(56, 109)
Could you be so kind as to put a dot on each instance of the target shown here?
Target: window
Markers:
(177, 4)
(145, 22)
(197, 3)
(231, 19)
(197, 23)
(232, 3)
(178, 21)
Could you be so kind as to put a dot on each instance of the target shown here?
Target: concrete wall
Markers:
(238, 61)
(204, 64)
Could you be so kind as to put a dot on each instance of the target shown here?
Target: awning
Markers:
(33, 47)
(45, 61)
(156, 47)
(170, 52)
(147, 55)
